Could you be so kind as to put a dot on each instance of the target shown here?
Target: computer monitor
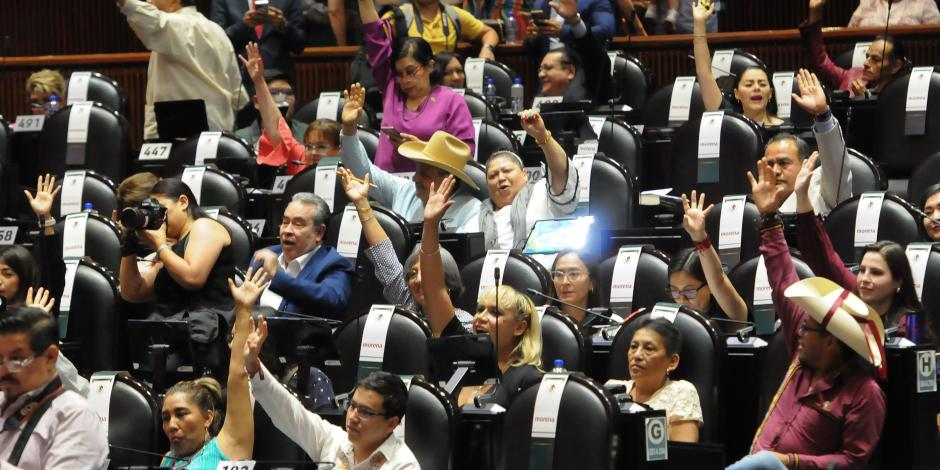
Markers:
(180, 119)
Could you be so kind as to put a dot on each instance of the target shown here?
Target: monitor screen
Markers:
(552, 236)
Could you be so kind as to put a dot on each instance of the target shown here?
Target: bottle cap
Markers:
(559, 364)
(517, 81)
(87, 206)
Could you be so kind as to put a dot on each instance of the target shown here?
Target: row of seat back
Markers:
(105, 151)
(102, 89)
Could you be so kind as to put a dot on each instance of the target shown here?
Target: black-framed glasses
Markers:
(805, 326)
(689, 294)
(364, 412)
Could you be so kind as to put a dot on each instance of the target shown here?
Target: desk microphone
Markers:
(13, 220)
(607, 317)
(742, 333)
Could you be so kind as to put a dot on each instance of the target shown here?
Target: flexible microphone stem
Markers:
(608, 317)
(499, 371)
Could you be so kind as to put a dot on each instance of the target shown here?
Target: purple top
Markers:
(838, 419)
(442, 110)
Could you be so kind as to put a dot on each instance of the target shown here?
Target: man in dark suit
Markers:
(555, 32)
(277, 28)
(306, 276)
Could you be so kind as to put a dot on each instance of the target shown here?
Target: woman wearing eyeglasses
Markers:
(277, 146)
(413, 102)
(573, 274)
(696, 277)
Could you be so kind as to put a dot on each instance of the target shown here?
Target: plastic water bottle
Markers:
(511, 30)
(490, 91)
(88, 208)
(517, 93)
(52, 105)
(559, 367)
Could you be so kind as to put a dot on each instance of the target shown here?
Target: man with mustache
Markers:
(44, 425)
(306, 276)
(832, 181)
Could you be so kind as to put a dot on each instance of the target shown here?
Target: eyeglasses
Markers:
(410, 72)
(363, 411)
(17, 365)
(804, 327)
(689, 294)
(318, 148)
(573, 275)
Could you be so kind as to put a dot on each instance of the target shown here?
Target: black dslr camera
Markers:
(149, 215)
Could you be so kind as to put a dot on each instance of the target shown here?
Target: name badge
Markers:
(783, 89)
(681, 100)
(207, 147)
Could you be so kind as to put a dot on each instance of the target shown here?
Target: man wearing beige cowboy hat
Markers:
(829, 410)
(442, 155)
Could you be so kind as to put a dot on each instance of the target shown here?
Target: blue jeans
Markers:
(763, 460)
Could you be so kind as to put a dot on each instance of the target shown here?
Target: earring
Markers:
(897, 291)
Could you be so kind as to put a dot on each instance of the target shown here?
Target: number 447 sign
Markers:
(236, 465)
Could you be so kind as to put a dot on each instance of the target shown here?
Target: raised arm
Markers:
(237, 437)
(337, 12)
(711, 94)
(438, 306)
(595, 63)
(555, 156)
(270, 116)
(367, 11)
(724, 292)
(358, 192)
(41, 202)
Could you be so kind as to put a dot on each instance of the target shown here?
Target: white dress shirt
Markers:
(191, 58)
(322, 441)
(272, 299)
(68, 436)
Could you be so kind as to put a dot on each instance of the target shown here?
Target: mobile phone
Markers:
(261, 6)
(538, 16)
(392, 133)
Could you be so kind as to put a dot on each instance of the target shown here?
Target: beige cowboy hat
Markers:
(442, 151)
(843, 314)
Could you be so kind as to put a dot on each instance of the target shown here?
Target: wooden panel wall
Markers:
(326, 69)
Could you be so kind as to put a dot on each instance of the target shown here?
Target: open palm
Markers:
(439, 199)
(695, 214)
(355, 189)
(767, 195)
(46, 191)
(355, 100)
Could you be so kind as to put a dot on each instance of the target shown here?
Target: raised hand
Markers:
(533, 125)
(46, 191)
(41, 300)
(355, 100)
(816, 4)
(702, 10)
(812, 98)
(256, 337)
(439, 200)
(245, 295)
(357, 190)
(254, 65)
(859, 88)
(767, 195)
(695, 214)
(268, 261)
(567, 9)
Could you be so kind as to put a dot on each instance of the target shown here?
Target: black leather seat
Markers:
(503, 77)
(106, 148)
(631, 81)
(370, 140)
(233, 155)
(406, 352)
(930, 298)
(134, 422)
(102, 240)
(750, 229)
(742, 277)
(431, 425)
(612, 195)
(367, 288)
(243, 239)
(270, 443)
(650, 285)
(897, 153)
(740, 61)
(494, 136)
(866, 174)
(699, 361)
(521, 273)
(95, 321)
(562, 339)
(623, 143)
(305, 181)
(107, 92)
(308, 113)
(8, 177)
(926, 175)
(478, 106)
(656, 111)
(220, 189)
(98, 190)
(585, 429)
(776, 361)
(897, 223)
(799, 117)
(741, 146)
(477, 173)
(844, 60)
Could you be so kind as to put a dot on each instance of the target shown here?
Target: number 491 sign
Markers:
(236, 465)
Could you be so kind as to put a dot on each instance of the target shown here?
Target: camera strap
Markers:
(30, 414)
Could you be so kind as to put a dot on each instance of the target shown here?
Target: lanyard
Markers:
(30, 414)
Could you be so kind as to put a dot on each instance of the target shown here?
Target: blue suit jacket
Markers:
(322, 288)
(275, 44)
(598, 14)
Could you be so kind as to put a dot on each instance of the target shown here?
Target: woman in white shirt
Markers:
(653, 354)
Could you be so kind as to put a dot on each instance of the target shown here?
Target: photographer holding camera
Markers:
(191, 283)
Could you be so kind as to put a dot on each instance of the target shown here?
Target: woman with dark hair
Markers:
(653, 355)
(449, 65)
(414, 103)
(932, 211)
(193, 260)
(574, 275)
(884, 279)
(19, 275)
(428, 284)
(753, 89)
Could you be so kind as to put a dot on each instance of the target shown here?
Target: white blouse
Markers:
(678, 398)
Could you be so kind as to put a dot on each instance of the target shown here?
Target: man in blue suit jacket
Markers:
(307, 277)
(598, 15)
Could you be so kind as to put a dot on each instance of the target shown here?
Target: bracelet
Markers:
(703, 245)
(824, 116)
(491, 47)
(796, 460)
(48, 222)
(548, 135)
(436, 251)
(161, 248)
(363, 220)
(696, 36)
(770, 222)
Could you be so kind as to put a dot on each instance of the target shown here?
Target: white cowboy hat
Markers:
(442, 151)
(844, 315)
